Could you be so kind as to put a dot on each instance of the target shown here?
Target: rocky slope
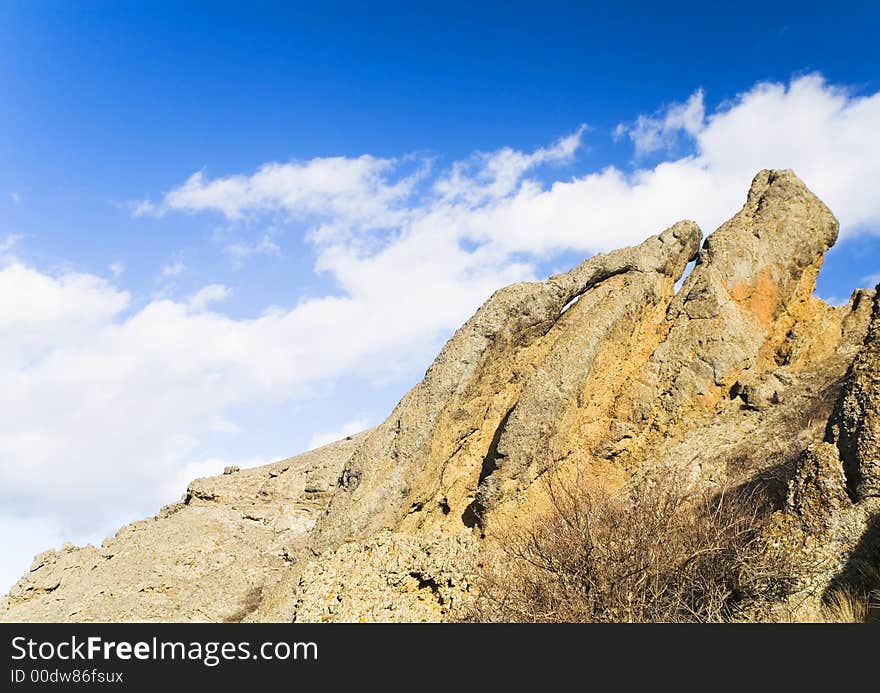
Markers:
(205, 558)
(606, 371)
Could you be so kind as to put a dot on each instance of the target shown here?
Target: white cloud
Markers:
(870, 280)
(349, 428)
(39, 313)
(660, 131)
(15, 197)
(174, 268)
(496, 174)
(833, 300)
(213, 293)
(23, 537)
(116, 269)
(8, 243)
(213, 466)
(345, 188)
(104, 405)
(240, 250)
(144, 208)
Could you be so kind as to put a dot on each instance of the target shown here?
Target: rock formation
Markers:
(466, 435)
(605, 371)
(831, 520)
(855, 426)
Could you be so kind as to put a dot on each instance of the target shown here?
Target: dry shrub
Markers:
(658, 552)
(858, 602)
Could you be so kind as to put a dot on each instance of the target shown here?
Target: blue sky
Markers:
(229, 232)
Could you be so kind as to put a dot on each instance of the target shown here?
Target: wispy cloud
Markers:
(345, 188)
(871, 280)
(9, 242)
(213, 293)
(15, 197)
(497, 174)
(173, 268)
(241, 250)
(835, 300)
(349, 428)
(661, 130)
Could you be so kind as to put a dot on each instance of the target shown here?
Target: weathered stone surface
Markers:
(831, 504)
(753, 282)
(855, 425)
(817, 493)
(391, 577)
(207, 558)
(522, 349)
(594, 350)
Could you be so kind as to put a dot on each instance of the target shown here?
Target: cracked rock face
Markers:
(832, 506)
(497, 388)
(404, 577)
(605, 372)
(733, 316)
(855, 426)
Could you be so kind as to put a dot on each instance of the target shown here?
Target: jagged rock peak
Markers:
(498, 383)
(753, 279)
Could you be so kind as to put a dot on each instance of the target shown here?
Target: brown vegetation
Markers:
(660, 551)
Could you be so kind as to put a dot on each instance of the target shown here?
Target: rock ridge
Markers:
(605, 372)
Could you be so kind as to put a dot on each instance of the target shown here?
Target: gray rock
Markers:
(855, 425)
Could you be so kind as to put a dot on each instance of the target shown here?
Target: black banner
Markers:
(135, 656)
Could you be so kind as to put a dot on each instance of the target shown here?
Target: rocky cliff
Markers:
(741, 376)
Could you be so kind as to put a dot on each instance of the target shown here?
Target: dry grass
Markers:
(856, 603)
(844, 606)
(871, 575)
(659, 552)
